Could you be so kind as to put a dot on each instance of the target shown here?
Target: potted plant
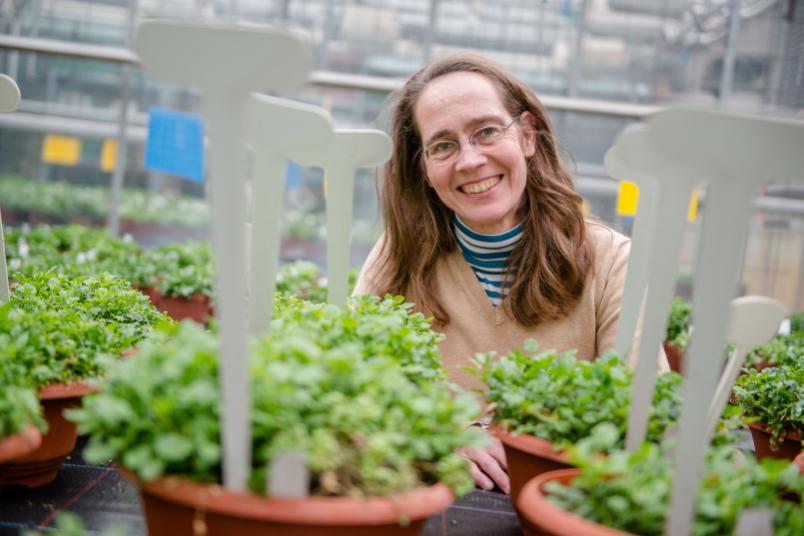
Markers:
(677, 336)
(303, 279)
(545, 402)
(52, 333)
(178, 280)
(629, 493)
(781, 350)
(379, 446)
(771, 402)
(20, 418)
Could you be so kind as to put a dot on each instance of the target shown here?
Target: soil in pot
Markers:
(546, 519)
(19, 444)
(42, 465)
(789, 448)
(177, 507)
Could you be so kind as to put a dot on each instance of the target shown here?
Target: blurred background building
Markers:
(597, 64)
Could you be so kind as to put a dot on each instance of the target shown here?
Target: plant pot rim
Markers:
(19, 444)
(332, 511)
(74, 389)
(534, 506)
(792, 436)
(530, 444)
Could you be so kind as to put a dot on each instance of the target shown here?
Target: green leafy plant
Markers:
(303, 279)
(363, 426)
(178, 270)
(56, 326)
(630, 492)
(781, 350)
(678, 323)
(560, 398)
(19, 405)
(774, 398)
(797, 322)
(71, 249)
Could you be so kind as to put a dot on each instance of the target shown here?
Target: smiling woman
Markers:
(484, 229)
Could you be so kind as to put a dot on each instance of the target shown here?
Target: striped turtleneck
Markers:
(487, 254)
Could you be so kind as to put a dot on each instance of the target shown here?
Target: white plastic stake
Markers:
(350, 150)
(226, 63)
(625, 161)
(9, 94)
(288, 476)
(753, 320)
(277, 129)
(755, 522)
(9, 100)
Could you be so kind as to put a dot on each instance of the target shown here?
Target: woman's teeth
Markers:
(480, 187)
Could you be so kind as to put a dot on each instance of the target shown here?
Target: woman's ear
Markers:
(528, 125)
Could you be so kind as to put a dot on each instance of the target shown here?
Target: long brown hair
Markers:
(552, 260)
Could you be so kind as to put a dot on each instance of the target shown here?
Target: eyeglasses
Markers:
(485, 136)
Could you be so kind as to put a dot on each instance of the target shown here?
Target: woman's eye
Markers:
(487, 133)
(441, 147)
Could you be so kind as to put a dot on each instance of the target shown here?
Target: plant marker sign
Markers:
(175, 143)
(735, 155)
(227, 62)
(9, 100)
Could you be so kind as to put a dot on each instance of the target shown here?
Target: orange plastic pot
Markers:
(197, 307)
(19, 444)
(41, 466)
(789, 448)
(546, 519)
(177, 507)
(799, 460)
(675, 356)
(528, 456)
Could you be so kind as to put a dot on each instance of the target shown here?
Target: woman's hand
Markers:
(487, 465)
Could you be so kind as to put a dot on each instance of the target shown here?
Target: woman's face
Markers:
(482, 183)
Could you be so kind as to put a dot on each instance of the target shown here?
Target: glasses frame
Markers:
(470, 139)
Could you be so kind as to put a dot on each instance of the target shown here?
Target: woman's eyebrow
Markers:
(470, 124)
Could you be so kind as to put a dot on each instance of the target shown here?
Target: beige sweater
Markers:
(477, 326)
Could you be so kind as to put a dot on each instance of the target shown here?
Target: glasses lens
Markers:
(441, 150)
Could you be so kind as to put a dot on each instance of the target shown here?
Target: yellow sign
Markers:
(627, 198)
(108, 159)
(64, 150)
(585, 208)
(692, 212)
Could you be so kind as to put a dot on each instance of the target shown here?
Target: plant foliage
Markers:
(560, 398)
(678, 323)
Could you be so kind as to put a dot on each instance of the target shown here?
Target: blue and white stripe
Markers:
(488, 256)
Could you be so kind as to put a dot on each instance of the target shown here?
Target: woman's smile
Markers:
(481, 186)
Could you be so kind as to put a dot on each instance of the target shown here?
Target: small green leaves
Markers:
(678, 323)
(557, 397)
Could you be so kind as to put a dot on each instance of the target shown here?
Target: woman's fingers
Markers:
(497, 452)
(489, 466)
(480, 477)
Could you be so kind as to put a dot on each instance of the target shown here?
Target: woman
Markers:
(484, 229)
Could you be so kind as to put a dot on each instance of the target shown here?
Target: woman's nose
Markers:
(469, 156)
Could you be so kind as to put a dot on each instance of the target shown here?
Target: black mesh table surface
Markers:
(103, 498)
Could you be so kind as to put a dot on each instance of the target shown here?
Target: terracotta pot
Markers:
(152, 294)
(528, 456)
(197, 308)
(546, 519)
(800, 462)
(789, 448)
(177, 507)
(675, 356)
(20, 444)
(42, 465)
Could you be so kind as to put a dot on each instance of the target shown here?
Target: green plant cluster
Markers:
(178, 270)
(72, 249)
(678, 323)
(383, 328)
(19, 405)
(560, 398)
(774, 398)
(55, 326)
(303, 279)
(781, 350)
(630, 492)
(61, 201)
(363, 426)
(797, 322)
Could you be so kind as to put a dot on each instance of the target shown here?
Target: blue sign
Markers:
(175, 143)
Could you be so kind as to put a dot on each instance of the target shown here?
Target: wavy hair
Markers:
(550, 263)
